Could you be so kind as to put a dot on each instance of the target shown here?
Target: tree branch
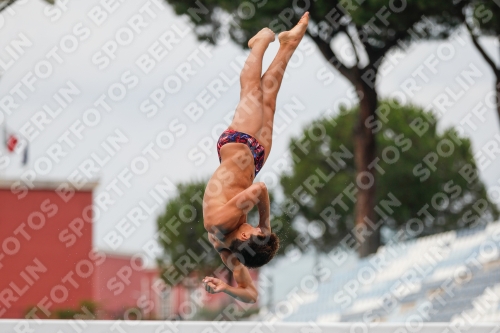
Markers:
(350, 73)
(481, 50)
(376, 55)
(7, 4)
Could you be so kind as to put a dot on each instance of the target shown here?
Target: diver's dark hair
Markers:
(256, 251)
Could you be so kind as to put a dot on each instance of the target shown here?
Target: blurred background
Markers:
(384, 174)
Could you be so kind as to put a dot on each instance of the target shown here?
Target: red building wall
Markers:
(47, 262)
(45, 251)
(123, 284)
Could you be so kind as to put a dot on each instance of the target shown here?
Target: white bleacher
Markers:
(439, 278)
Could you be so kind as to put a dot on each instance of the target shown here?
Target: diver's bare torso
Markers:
(234, 175)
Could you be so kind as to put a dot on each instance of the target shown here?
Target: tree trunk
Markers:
(368, 239)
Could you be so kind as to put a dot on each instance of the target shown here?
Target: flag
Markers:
(12, 143)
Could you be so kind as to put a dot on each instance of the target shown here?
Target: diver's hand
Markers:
(214, 285)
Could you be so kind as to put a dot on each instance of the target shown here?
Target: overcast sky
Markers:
(64, 48)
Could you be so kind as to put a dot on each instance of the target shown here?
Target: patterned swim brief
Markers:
(255, 147)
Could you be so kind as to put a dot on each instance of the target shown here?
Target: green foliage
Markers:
(183, 236)
(485, 16)
(87, 310)
(377, 33)
(66, 313)
(88, 307)
(447, 196)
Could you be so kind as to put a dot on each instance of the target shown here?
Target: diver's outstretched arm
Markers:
(245, 290)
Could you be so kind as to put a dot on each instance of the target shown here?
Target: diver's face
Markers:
(246, 231)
